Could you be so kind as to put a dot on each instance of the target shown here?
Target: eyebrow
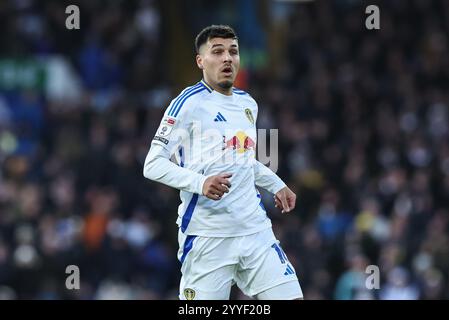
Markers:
(221, 45)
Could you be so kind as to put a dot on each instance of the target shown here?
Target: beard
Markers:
(225, 84)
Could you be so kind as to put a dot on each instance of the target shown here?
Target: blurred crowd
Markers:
(363, 119)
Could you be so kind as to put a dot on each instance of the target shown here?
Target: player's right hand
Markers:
(216, 186)
(285, 199)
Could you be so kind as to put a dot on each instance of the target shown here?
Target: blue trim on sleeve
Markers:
(182, 95)
(186, 97)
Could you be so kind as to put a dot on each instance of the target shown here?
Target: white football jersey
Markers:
(210, 133)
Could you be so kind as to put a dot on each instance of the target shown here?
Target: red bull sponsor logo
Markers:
(241, 142)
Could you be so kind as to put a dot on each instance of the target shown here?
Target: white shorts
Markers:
(256, 263)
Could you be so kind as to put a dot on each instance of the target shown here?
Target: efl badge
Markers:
(166, 126)
(169, 121)
(163, 131)
(189, 294)
(249, 115)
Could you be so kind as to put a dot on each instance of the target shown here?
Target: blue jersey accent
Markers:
(289, 270)
(181, 156)
(209, 88)
(283, 253)
(238, 91)
(182, 95)
(188, 214)
(188, 244)
(186, 93)
(219, 117)
(181, 102)
(260, 203)
(279, 252)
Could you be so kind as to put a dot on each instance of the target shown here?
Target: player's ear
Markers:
(199, 61)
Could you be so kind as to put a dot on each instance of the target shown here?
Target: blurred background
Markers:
(363, 125)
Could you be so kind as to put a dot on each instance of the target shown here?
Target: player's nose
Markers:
(227, 57)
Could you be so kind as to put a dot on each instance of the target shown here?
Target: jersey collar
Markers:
(208, 87)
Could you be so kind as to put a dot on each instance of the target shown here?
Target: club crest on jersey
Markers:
(189, 293)
(249, 115)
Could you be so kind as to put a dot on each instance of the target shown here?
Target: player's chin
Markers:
(226, 84)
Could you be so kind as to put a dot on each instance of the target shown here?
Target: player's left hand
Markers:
(285, 199)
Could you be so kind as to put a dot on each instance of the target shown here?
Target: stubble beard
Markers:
(227, 84)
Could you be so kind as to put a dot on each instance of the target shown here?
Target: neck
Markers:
(216, 87)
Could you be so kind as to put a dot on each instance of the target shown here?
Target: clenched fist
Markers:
(215, 186)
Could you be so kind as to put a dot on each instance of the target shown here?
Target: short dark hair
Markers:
(213, 31)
